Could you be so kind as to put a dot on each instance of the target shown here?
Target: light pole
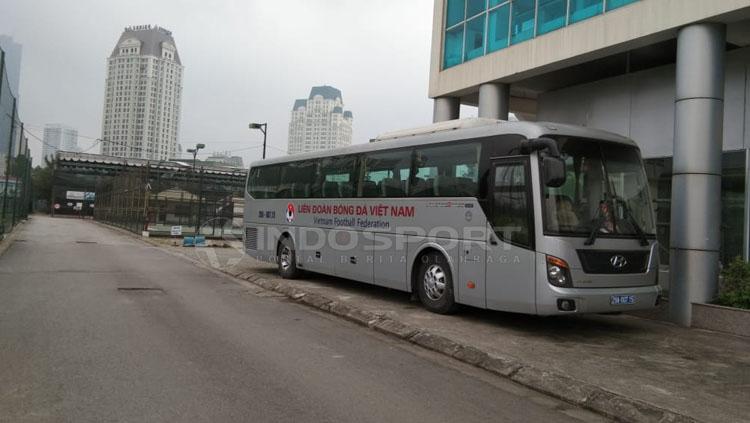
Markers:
(200, 189)
(263, 127)
(195, 152)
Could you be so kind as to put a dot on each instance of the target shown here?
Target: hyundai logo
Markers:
(618, 261)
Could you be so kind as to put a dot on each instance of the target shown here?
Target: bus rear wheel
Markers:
(287, 259)
(435, 284)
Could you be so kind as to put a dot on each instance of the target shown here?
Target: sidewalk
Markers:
(626, 367)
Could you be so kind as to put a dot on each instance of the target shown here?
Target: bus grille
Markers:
(251, 238)
(599, 261)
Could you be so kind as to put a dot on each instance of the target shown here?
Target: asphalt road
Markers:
(97, 326)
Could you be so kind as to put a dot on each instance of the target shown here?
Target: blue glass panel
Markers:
(522, 24)
(454, 41)
(584, 9)
(550, 15)
(614, 4)
(474, 44)
(455, 12)
(494, 3)
(475, 6)
(498, 28)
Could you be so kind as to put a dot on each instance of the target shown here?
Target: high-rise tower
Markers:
(143, 95)
(319, 122)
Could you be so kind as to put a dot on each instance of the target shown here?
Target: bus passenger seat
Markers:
(391, 187)
(331, 189)
(422, 188)
(369, 189)
(445, 186)
(346, 189)
(466, 187)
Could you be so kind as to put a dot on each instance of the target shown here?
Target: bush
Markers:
(735, 286)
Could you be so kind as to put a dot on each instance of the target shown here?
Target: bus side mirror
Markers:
(553, 171)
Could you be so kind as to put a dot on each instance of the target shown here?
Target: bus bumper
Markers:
(552, 300)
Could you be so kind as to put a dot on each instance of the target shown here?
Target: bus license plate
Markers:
(622, 299)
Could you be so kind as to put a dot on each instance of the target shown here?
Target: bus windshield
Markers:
(605, 192)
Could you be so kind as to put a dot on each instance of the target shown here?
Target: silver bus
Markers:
(536, 218)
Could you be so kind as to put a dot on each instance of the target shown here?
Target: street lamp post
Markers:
(194, 151)
(263, 127)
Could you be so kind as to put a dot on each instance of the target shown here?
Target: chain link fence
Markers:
(161, 198)
(15, 159)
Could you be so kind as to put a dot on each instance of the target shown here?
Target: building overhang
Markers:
(633, 27)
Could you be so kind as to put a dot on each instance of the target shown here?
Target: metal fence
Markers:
(15, 159)
(157, 198)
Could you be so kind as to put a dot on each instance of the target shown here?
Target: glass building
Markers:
(474, 28)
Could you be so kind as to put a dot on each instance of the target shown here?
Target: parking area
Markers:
(697, 373)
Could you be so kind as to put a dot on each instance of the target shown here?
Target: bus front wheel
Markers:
(287, 259)
(435, 284)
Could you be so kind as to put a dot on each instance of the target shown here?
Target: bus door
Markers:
(510, 262)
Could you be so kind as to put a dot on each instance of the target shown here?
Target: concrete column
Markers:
(445, 108)
(696, 178)
(494, 100)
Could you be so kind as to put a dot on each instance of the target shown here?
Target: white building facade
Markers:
(320, 122)
(142, 100)
(58, 137)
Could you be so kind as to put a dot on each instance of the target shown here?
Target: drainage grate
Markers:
(20, 240)
(141, 289)
(86, 242)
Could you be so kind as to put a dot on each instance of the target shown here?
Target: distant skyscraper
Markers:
(59, 137)
(13, 52)
(320, 122)
(143, 95)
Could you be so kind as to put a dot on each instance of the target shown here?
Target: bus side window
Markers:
(265, 181)
(447, 170)
(297, 179)
(385, 174)
(337, 177)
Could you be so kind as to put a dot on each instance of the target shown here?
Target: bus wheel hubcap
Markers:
(285, 258)
(434, 282)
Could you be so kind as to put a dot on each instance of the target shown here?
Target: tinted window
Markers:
(337, 177)
(447, 171)
(385, 174)
(474, 38)
(510, 214)
(454, 40)
(522, 25)
(584, 9)
(455, 12)
(264, 181)
(498, 28)
(551, 15)
(297, 179)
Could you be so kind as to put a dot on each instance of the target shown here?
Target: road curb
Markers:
(6, 242)
(610, 404)
(558, 385)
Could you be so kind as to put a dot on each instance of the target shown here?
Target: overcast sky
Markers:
(245, 60)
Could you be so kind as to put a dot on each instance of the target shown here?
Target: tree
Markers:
(41, 180)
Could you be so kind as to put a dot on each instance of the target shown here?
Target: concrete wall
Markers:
(641, 106)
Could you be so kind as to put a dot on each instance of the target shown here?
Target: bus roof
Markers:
(455, 130)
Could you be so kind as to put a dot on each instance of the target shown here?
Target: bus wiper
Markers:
(599, 218)
(638, 230)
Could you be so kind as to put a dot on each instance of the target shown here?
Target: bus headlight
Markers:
(558, 272)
